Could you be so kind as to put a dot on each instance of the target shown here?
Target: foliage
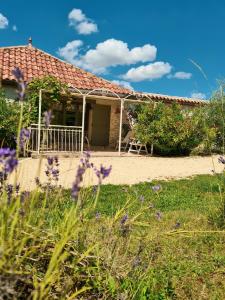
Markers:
(54, 248)
(170, 128)
(9, 119)
(53, 87)
(215, 118)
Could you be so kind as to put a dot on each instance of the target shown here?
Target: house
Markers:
(97, 110)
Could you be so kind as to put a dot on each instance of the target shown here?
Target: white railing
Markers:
(56, 138)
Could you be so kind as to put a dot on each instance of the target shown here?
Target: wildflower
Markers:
(8, 161)
(21, 83)
(84, 165)
(17, 188)
(157, 188)
(24, 137)
(158, 215)
(102, 173)
(97, 215)
(47, 117)
(177, 225)
(9, 192)
(221, 160)
(37, 181)
(124, 219)
(94, 189)
(52, 171)
(23, 196)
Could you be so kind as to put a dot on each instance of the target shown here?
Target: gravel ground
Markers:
(127, 169)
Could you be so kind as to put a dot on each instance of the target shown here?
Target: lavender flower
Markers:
(24, 137)
(8, 161)
(158, 215)
(221, 160)
(9, 192)
(124, 219)
(23, 196)
(98, 215)
(47, 117)
(157, 188)
(21, 83)
(52, 171)
(102, 173)
(177, 225)
(85, 164)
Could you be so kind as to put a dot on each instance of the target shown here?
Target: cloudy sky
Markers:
(171, 47)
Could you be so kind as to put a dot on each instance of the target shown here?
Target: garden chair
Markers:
(137, 147)
(125, 142)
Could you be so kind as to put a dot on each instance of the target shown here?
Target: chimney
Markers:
(30, 42)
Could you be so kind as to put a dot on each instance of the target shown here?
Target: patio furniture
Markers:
(125, 142)
(137, 147)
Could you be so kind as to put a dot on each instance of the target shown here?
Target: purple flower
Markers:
(158, 215)
(221, 160)
(84, 165)
(97, 215)
(177, 225)
(52, 171)
(157, 188)
(102, 173)
(24, 137)
(124, 219)
(47, 117)
(9, 192)
(23, 196)
(21, 83)
(8, 161)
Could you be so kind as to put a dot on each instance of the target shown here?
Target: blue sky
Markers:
(146, 44)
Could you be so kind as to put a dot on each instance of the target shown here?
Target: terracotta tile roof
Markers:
(37, 63)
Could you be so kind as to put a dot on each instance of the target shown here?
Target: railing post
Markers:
(121, 121)
(83, 123)
(39, 121)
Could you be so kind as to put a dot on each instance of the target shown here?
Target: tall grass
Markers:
(149, 241)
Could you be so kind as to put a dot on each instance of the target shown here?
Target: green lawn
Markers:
(135, 244)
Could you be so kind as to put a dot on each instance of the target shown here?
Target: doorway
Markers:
(100, 125)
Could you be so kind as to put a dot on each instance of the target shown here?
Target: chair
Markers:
(125, 142)
(137, 147)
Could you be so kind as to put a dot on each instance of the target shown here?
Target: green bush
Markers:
(170, 128)
(9, 119)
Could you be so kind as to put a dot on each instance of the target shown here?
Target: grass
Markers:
(171, 246)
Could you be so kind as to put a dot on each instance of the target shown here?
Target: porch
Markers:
(88, 121)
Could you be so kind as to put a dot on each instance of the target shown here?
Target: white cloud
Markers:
(3, 21)
(123, 83)
(71, 51)
(180, 75)
(81, 23)
(109, 53)
(198, 95)
(14, 28)
(152, 71)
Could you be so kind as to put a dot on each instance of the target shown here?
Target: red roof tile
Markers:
(36, 63)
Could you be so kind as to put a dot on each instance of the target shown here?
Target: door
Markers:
(100, 125)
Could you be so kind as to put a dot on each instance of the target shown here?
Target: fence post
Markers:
(83, 123)
(39, 121)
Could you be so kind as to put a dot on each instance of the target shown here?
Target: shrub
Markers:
(171, 129)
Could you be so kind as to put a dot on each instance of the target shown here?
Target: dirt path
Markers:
(125, 169)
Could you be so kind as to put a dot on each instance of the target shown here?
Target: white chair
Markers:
(125, 142)
(137, 147)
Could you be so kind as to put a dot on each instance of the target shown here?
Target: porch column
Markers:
(121, 123)
(39, 121)
(83, 123)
